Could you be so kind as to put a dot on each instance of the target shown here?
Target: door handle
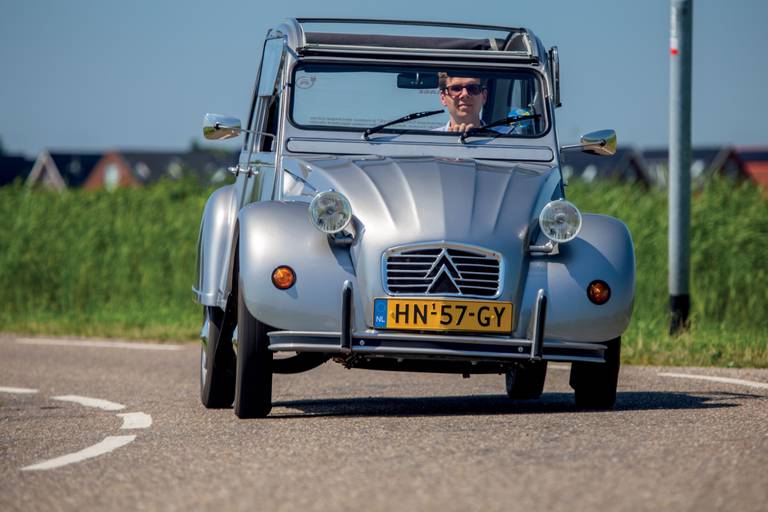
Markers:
(239, 169)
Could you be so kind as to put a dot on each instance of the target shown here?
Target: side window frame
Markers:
(252, 109)
(264, 94)
(259, 150)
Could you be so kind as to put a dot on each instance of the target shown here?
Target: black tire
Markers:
(595, 384)
(526, 381)
(253, 381)
(217, 360)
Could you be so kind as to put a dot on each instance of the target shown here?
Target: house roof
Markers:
(61, 170)
(12, 167)
(705, 161)
(625, 165)
(755, 163)
(75, 167)
(661, 155)
(150, 166)
(750, 154)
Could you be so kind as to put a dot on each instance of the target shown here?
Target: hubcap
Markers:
(204, 348)
(203, 366)
(204, 329)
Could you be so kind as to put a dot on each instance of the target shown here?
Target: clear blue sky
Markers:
(91, 75)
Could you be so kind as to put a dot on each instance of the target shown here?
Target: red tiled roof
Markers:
(758, 171)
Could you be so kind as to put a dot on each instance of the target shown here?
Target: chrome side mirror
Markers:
(218, 127)
(601, 142)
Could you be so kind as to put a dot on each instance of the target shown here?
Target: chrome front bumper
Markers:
(407, 345)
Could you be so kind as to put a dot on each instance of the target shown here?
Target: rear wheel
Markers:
(253, 383)
(595, 384)
(217, 359)
(526, 382)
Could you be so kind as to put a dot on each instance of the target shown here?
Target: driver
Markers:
(464, 98)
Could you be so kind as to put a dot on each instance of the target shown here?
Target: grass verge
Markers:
(122, 265)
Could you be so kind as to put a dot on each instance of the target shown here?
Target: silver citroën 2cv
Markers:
(364, 227)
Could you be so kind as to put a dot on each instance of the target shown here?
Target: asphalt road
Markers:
(342, 439)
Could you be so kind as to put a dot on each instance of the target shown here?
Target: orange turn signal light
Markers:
(598, 292)
(283, 277)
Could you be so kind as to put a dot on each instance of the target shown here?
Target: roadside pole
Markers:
(681, 47)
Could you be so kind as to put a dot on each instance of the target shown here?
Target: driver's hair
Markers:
(443, 76)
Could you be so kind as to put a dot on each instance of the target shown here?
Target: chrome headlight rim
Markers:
(560, 204)
(317, 210)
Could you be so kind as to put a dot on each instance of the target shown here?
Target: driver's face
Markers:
(463, 107)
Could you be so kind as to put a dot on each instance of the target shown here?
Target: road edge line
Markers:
(724, 380)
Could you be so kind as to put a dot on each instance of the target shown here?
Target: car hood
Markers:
(398, 201)
(426, 198)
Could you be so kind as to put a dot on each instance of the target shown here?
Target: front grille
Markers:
(442, 270)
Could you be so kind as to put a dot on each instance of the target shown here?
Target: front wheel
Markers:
(253, 382)
(595, 384)
(526, 382)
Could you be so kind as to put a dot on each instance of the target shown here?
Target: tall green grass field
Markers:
(122, 264)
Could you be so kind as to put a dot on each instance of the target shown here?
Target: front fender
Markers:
(214, 245)
(280, 233)
(603, 250)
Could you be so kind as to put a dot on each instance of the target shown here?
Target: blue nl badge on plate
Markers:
(380, 313)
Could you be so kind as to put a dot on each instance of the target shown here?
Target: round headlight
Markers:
(330, 212)
(560, 221)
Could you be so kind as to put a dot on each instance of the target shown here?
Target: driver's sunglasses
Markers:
(454, 91)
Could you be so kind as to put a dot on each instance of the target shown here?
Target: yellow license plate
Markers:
(443, 315)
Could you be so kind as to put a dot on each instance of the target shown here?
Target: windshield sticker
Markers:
(305, 82)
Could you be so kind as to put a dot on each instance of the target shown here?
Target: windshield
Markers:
(360, 97)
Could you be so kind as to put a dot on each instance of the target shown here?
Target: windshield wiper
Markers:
(409, 117)
(498, 122)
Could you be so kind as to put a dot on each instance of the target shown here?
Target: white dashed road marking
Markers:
(25, 391)
(96, 344)
(107, 445)
(131, 420)
(725, 380)
(135, 420)
(98, 403)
